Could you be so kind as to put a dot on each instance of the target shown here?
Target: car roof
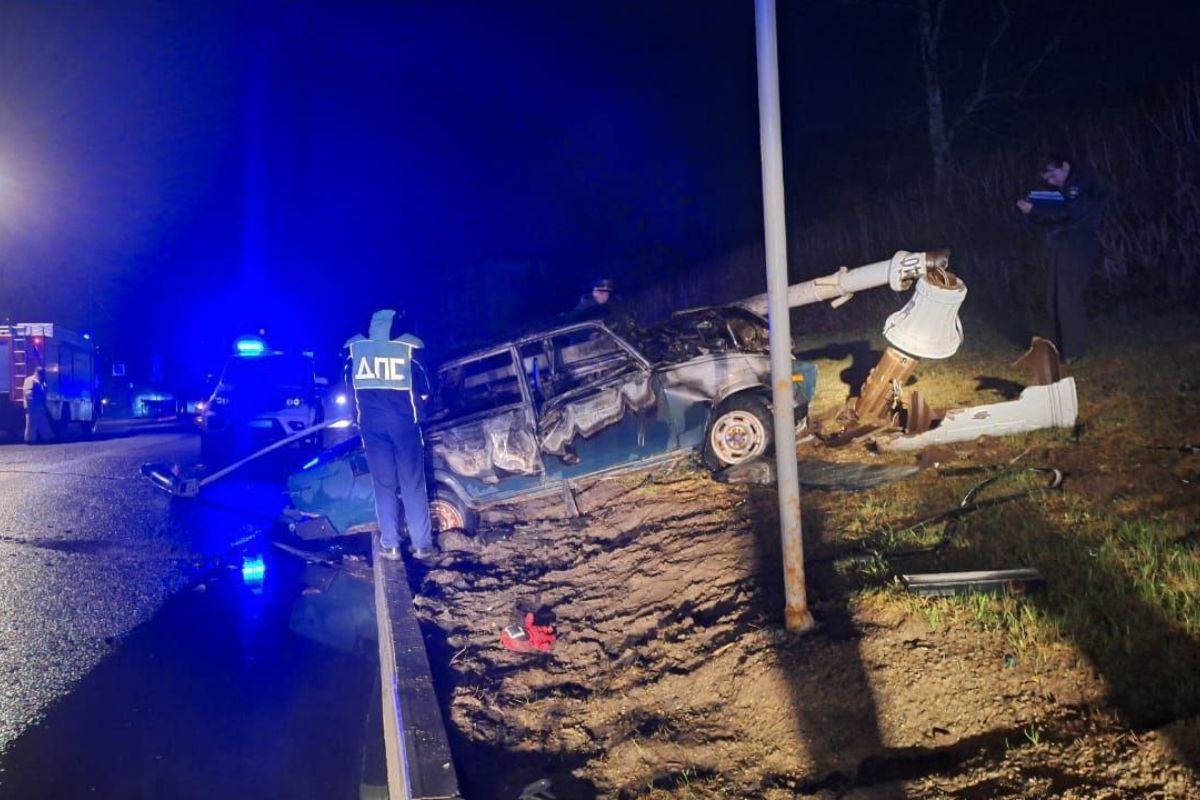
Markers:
(553, 325)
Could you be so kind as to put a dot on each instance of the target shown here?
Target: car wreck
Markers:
(582, 397)
(573, 399)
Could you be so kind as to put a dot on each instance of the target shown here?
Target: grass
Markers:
(1119, 546)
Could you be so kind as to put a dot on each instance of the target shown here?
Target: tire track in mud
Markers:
(670, 669)
(654, 595)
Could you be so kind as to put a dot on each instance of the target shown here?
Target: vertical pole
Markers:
(798, 618)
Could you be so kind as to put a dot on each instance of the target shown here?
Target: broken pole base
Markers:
(798, 620)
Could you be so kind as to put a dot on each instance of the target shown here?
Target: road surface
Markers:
(88, 550)
(135, 662)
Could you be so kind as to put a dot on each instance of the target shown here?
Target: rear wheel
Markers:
(448, 513)
(741, 430)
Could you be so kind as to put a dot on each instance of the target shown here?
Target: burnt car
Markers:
(577, 399)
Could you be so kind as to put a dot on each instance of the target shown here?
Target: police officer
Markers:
(37, 418)
(603, 302)
(598, 296)
(382, 373)
(1071, 227)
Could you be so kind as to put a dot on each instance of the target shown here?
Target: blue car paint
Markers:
(338, 486)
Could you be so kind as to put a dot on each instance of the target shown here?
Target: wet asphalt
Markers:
(135, 658)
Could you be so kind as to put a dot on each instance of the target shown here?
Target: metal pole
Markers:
(798, 618)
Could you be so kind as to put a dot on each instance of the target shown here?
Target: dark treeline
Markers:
(1147, 153)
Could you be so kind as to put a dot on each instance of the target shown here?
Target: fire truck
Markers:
(71, 375)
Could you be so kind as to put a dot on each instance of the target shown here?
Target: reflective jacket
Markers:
(380, 364)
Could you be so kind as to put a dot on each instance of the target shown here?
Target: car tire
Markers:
(741, 430)
(447, 512)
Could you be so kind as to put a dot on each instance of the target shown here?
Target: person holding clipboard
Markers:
(1068, 211)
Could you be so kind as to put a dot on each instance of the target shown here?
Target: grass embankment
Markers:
(1118, 544)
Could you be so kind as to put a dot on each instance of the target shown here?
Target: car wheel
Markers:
(448, 513)
(740, 430)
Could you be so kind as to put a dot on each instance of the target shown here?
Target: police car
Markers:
(261, 397)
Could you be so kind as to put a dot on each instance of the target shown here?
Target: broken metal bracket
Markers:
(1002, 581)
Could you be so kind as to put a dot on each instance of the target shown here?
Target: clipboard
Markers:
(1046, 200)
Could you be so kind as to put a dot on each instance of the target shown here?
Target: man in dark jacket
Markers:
(1069, 214)
(382, 373)
(600, 295)
(602, 302)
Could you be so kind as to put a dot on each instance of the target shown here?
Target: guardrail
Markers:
(419, 766)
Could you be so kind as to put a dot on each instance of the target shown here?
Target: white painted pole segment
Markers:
(798, 617)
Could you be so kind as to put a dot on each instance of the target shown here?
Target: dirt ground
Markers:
(672, 677)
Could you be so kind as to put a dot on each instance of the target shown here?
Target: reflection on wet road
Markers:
(146, 645)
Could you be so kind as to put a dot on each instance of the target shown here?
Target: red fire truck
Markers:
(71, 375)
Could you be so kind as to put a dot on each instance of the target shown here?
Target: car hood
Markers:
(702, 331)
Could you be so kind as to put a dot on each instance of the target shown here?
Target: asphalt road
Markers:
(89, 550)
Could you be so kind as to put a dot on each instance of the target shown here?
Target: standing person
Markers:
(382, 374)
(602, 302)
(599, 296)
(1070, 216)
(37, 418)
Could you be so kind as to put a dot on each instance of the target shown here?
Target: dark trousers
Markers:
(37, 425)
(396, 457)
(1071, 260)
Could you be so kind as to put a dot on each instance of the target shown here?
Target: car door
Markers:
(480, 427)
(596, 402)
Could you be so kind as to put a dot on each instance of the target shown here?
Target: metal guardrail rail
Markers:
(419, 766)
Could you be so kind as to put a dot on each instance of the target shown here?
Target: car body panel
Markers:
(568, 402)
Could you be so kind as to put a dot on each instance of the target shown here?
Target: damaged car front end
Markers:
(575, 400)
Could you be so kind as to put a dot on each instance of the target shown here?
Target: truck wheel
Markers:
(741, 430)
(448, 513)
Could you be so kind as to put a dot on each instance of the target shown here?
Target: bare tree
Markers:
(990, 68)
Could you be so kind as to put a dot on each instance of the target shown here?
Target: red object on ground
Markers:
(528, 638)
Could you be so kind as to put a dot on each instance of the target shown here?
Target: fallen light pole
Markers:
(165, 477)
(899, 272)
(797, 616)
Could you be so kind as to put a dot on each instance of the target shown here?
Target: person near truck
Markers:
(1069, 216)
(37, 418)
(382, 373)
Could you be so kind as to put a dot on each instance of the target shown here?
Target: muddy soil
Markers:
(671, 675)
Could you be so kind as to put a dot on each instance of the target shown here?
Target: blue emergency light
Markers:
(250, 347)
(253, 570)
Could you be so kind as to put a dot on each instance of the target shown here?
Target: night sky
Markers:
(173, 174)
